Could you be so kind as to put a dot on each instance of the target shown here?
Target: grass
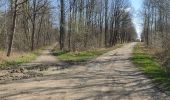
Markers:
(16, 59)
(83, 55)
(148, 64)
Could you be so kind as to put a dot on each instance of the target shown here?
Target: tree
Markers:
(156, 22)
(26, 22)
(62, 24)
(14, 6)
(106, 23)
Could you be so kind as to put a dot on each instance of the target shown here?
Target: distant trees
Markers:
(156, 31)
(83, 24)
(96, 23)
(156, 22)
(121, 23)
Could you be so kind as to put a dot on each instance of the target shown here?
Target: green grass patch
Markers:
(148, 64)
(83, 55)
(14, 62)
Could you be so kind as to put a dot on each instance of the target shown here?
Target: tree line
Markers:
(95, 23)
(83, 24)
(26, 25)
(156, 30)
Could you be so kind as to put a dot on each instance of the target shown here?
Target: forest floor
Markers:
(111, 76)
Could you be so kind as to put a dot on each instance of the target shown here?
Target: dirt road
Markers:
(46, 56)
(111, 76)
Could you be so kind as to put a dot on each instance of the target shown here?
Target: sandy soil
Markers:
(111, 76)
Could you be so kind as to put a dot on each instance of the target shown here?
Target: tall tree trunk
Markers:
(14, 14)
(106, 23)
(62, 25)
(33, 25)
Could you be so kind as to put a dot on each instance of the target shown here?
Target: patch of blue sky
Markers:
(137, 6)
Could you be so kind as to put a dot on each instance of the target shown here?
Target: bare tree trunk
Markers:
(14, 14)
(33, 25)
(62, 25)
(106, 23)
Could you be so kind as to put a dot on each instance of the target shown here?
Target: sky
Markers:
(137, 5)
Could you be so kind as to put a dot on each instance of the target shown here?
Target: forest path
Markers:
(45, 60)
(46, 56)
(111, 76)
